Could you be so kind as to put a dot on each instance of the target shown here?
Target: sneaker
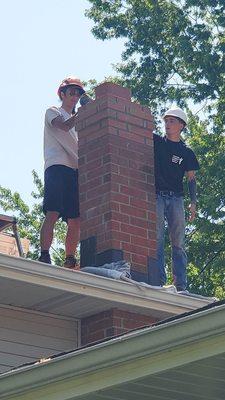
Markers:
(45, 258)
(70, 262)
(183, 291)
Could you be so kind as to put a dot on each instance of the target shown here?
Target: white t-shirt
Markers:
(60, 147)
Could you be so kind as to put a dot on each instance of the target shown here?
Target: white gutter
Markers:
(125, 358)
(36, 273)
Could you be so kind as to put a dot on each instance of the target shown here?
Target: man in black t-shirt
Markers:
(173, 159)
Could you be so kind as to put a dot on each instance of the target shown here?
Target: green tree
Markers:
(206, 239)
(30, 220)
(174, 50)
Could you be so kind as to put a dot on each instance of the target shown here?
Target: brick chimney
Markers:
(116, 182)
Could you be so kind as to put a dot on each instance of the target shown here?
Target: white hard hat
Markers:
(176, 112)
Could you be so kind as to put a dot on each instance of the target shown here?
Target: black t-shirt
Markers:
(172, 160)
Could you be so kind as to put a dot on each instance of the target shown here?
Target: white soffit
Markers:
(34, 285)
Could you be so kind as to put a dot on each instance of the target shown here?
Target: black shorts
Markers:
(61, 191)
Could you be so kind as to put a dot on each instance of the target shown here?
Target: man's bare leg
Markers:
(72, 239)
(47, 229)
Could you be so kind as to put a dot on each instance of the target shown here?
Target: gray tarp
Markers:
(121, 270)
(114, 270)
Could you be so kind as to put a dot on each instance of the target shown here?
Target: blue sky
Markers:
(42, 42)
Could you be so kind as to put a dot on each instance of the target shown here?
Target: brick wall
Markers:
(111, 323)
(116, 181)
(8, 245)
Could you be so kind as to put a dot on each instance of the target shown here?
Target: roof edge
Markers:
(154, 349)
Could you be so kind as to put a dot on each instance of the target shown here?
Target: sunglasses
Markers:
(74, 92)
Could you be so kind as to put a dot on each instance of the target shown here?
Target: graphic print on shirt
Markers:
(176, 159)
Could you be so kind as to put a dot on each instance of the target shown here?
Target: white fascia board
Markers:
(99, 287)
(132, 356)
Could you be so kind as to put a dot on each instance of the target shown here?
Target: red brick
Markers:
(90, 166)
(120, 198)
(139, 185)
(134, 120)
(125, 171)
(94, 221)
(145, 205)
(92, 155)
(113, 225)
(146, 152)
(134, 211)
(117, 322)
(134, 137)
(121, 236)
(127, 153)
(152, 234)
(109, 89)
(133, 173)
(140, 241)
(152, 216)
(133, 192)
(139, 268)
(139, 259)
(82, 198)
(117, 216)
(119, 160)
(137, 109)
(116, 175)
(85, 111)
(102, 201)
(151, 181)
(141, 131)
(93, 145)
(122, 180)
(98, 191)
(95, 337)
(90, 184)
(134, 230)
(139, 222)
(82, 178)
(103, 169)
(132, 248)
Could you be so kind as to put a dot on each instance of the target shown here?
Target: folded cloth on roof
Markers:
(114, 270)
(198, 296)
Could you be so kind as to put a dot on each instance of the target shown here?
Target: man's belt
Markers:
(169, 193)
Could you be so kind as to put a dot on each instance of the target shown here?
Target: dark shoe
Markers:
(179, 289)
(45, 258)
(70, 262)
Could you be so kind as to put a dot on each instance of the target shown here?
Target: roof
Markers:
(180, 358)
(41, 287)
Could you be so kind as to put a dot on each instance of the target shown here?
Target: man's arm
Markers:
(65, 126)
(192, 187)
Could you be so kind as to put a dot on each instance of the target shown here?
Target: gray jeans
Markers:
(170, 208)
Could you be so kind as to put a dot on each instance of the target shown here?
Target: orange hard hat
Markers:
(71, 80)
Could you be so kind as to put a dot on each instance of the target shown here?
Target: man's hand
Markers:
(192, 211)
(193, 195)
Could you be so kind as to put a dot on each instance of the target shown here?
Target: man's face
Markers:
(71, 96)
(173, 125)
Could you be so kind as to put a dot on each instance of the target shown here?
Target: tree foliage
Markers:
(206, 239)
(30, 220)
(174, 50)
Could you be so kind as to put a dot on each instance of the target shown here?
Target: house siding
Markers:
(27, 336)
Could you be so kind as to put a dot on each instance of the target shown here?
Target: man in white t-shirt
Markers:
(61, 192)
